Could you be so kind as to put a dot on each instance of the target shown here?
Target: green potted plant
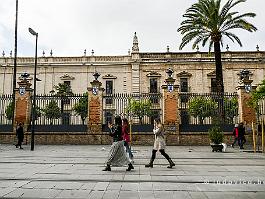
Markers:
(216, 136)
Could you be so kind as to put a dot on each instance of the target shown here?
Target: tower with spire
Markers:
(135, 66)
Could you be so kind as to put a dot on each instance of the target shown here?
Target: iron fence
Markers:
(5, 114)
(198, 112)
(125, 105)
(57, 113)
(261, 109)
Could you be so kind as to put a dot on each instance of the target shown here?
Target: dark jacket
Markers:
(20, 133)
(241, 131)
(116, 133)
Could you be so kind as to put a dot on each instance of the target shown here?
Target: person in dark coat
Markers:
(117, 155)
(20, 135)
(241, 135)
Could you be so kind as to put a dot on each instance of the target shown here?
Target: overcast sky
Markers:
(107, 26)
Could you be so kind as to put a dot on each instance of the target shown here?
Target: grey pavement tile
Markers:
(145, 178)
(6, 191)
(181, 195)
(44, 185)
(74, 194)
(197, 195)
(96, 195)
(227, 195)
(114, 186)
(68, 185)
(15, 193)
(130, 187)
(164, 194)
(101, 186)
(129, 195)
(146, 195)
(256, 195)
(111, 194)
(88, 186)
(145, 186)
(33, 193)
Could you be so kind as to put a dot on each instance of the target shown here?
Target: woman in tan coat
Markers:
(159, 144)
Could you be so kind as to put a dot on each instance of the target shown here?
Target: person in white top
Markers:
(159, 144)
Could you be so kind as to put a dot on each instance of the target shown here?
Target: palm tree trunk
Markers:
(218, 67)
(219, 79)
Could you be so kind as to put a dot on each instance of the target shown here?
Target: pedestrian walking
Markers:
(235, 133)
(241, 135)
(20, 135)
(117, 155)
(126, 137)
(159, 144)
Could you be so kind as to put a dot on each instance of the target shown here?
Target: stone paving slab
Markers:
(70, 171)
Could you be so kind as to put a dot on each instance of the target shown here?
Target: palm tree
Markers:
(207, 21)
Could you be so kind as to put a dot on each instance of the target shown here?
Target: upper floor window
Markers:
(153, 85)
(184, 85)
(213, 85)
(109, 87)
(109, 91)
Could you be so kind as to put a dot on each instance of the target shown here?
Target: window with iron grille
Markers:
(184, 85)
(154, 89)
(109, 91)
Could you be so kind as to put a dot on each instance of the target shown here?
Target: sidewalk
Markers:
(75, 171)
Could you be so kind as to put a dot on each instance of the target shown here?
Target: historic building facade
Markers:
(136, 72)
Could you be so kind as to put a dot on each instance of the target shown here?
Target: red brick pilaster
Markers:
(171, 114)
(23, 104)
(95, 94)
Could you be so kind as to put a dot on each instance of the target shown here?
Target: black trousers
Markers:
(162, 151)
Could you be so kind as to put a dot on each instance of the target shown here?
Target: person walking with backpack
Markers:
(159, 144)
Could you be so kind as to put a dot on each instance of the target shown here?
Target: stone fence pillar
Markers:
(246, 113)
(95, 107)
(171, 111)
(22, 108)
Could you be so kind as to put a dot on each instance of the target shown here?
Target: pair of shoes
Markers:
(16, 145)
(232, 145)
(21, 148)
(107, 168)
(130, 167)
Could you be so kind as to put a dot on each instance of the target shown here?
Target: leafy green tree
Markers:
(37, 112)
(257, 95)
(139, 108)
(64, 91)
(200, 107)
(81, 108)
(52, 111)
(10, 111)
(207, 21)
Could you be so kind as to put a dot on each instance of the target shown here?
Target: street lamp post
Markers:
(15, 63)
(34, 91)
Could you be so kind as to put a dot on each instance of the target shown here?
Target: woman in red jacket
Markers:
(126, 137)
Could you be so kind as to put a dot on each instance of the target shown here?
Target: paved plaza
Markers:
(71, 171)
